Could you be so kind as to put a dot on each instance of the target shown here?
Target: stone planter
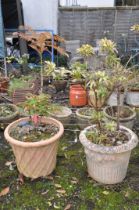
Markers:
(35, 159)
(84, 120)
(112, 100)
(63, 115)
(108, 165)
(126, 121)
(137, 114)
(10, 118)
(132, 98)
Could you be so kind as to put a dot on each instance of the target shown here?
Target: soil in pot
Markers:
(6, 110)
(28, 132)
(107, 138)
(127, 115)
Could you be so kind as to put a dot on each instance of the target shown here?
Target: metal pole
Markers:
(22, 43)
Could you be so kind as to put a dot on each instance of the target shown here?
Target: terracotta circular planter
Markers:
(108, 165)
(63, 115)
(83, 120)
(8, 119)
(35, 159)
(127, 121)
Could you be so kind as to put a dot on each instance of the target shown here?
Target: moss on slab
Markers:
(69, 184)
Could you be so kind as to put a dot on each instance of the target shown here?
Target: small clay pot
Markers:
(78, 95)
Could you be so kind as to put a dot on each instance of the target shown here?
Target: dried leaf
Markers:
(50, 178)
(5, 191)
(21, 179)
(44, 193)
(105, 192)
(56, 207)
(8, 163)
(68, 207)
(58, 186)
(61, 191)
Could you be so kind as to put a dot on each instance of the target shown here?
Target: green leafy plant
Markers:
(17, 83)
(86, 51)
(78, 71)
(39, 105)
(100, 87)
(109, 48)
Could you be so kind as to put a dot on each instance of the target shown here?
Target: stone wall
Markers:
(89, 24)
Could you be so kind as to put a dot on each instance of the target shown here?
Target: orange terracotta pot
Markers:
(35, 159)
(78, 95)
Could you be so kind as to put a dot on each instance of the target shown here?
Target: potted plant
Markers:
(60, 78)
(63, 114)
(127, 115)
(34, 140)
(84, 116)
(8, 113)
(107, 145)
(132, 95)
(100, 88)
(86, 51)
(49, 68)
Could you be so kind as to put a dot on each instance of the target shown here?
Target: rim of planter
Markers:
(67, 114)
(121, 119)
(38, 143)
(10, 117)
(82, 115)
(133, 141)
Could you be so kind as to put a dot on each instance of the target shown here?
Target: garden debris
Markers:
(5, 191)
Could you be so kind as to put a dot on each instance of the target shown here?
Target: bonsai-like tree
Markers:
(41, 42)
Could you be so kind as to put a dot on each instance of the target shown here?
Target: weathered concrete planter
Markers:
(63, 115)
(82, 119)
(132, 98)
(10, 118)
(127, 121)
(137, 114)
(108, 165)
(35, 159)
(112, 100)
